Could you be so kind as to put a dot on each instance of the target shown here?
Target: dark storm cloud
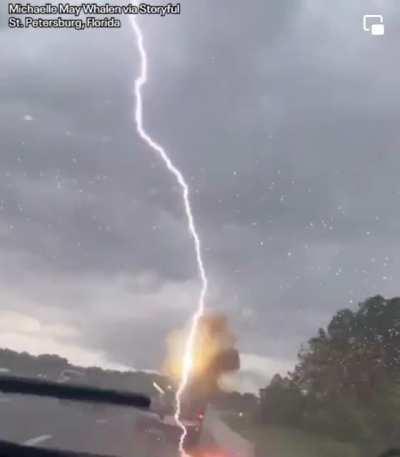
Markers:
(295, 165)
(282, 116)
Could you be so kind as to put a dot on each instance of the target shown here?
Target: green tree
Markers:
(346, 379)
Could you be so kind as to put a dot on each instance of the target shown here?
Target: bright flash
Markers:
(213, 338)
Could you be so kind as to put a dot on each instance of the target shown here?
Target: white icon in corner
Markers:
(373, 23)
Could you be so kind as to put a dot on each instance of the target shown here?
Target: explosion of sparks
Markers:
(190, 342)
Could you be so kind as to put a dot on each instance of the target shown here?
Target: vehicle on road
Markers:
(148, 423)
(162, 419)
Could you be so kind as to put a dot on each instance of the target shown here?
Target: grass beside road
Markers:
(275, 441)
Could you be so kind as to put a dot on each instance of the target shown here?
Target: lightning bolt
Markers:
(188, 361)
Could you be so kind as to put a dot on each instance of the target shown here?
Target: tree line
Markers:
(52, 366)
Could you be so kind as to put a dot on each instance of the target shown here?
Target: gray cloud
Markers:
(284, 120)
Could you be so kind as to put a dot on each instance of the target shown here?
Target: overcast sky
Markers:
(284, 118)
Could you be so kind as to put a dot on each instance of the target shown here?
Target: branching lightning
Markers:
(188, 361)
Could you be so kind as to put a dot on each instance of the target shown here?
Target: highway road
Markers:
(103, 430)
(224, 438)
(68, 425)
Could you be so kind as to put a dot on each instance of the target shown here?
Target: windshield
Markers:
(199, 202)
